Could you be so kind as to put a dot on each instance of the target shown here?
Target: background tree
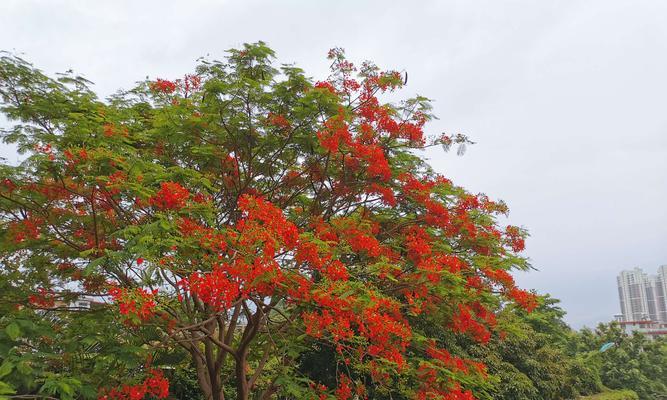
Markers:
(531, 360)
(248, 216)
(634, 361)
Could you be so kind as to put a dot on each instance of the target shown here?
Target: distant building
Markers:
(662, 296)
(643, 301)
(648, 328)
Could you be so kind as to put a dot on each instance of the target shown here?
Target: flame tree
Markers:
(248, 215)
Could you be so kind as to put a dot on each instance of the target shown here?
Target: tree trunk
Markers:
(242, 389)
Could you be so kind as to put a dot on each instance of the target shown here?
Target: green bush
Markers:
(613, 395)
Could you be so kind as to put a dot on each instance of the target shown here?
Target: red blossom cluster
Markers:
(45, 149)
(344, 389)
(515, 238)
(8, 185)
(278, 120)
(171, 196)
(218, 288)
(527, 300)
(319, 259)
(380, 323)
(262, 231)
(524, 299)
(335, 132)
(163, 86)
(432, 384)
(190, 83)
(134, 303)
(430, 391)
(110, 130)
(464, 321)
(154, 386)
(207, 238)
(187, 85)
(326, 86)
(42, 299)
(265, 222)
(386, 193)
(360, 236)
(76, 157)
(26, 229)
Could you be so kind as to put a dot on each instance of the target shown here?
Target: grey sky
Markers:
(565, 99)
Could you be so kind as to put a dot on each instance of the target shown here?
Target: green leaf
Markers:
(6, 388)
(6, 368)
(13, 331)
(24, 368)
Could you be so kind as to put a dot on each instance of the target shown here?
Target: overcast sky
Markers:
(565, 99)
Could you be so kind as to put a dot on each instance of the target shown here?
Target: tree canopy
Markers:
(248, 219)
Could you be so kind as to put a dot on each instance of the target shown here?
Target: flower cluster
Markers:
(515, 238)
(360, 236)
(26, 229)
(42, 299)
(138, 303)
(379, 322)
(326, 86)
(8, 185)
(154, 386)
(190, 83)
(265, 223)
(217, 288)
(171, 196)
(527, 300)
(320, 259)
(163, 86)
(335, 132)
(278, 120)
(465, 322)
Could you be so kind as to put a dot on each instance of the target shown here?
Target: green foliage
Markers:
(529, 361)
(634, 362)
(61, 354)
(613, 395)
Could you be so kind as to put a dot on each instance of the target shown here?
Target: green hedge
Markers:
(613, 395)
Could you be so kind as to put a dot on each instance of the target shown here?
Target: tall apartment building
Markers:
(643, 297)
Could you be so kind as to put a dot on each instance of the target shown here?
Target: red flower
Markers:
(155, 385)
(26, 229)
(386, 193)
(335, 132)
(163, 86)
(8, 185)
(344, 390)
(515, 238)
(326, 86)
(278, 120)
(464, 322)
(42, 299)
(526, 300)
(217, 288)
(137, 303)
(171, 196)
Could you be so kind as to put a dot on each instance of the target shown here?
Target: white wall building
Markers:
(643, 297)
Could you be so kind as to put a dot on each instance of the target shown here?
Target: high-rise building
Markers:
(662, 295)
(643, 297)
